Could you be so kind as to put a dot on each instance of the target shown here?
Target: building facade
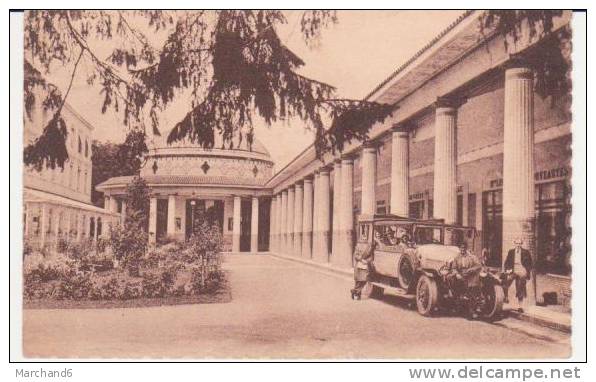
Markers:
(470, 141)
(57, 202)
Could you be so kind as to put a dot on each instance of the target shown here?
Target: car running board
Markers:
(398, 291)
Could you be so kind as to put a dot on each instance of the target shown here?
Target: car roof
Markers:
(377, 218)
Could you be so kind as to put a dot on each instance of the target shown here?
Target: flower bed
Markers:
(81, 276)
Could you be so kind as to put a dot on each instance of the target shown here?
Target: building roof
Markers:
(176, 180)
(238, 145)
(31, 195)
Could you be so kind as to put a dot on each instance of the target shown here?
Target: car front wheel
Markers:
(427, 295)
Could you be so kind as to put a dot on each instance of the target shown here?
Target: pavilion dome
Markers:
(186, 162)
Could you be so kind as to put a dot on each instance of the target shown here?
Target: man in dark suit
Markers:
(517, 267)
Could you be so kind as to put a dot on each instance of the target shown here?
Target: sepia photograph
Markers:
(296, 185)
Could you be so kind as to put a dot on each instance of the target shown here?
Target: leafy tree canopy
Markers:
(232, 63)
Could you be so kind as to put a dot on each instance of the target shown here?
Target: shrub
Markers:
(75, 286)
(129, 243)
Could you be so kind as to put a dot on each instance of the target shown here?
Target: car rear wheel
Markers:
(493, 301)
(405, 272)
(427, 295)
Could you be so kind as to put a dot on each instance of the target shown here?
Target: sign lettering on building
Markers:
(539, 176)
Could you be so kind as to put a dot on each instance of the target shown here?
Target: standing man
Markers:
(518, 267)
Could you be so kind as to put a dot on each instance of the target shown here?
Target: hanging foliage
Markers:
(550, 57)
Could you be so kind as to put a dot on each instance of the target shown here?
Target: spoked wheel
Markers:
(426, 295)
(493, 301)
(405, 274)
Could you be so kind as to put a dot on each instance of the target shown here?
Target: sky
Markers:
(354, 55)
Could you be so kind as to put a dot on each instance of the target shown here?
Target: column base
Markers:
(344, 253)
(306, 245)
(297, 244)
(321, 247)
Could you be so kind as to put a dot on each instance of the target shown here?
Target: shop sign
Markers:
(539, 176)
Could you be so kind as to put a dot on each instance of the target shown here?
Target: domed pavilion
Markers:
(185, 179)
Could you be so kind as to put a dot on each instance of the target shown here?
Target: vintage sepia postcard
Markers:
(297, 185)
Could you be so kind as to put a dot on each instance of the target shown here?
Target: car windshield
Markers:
(428, 235)
(457, 236)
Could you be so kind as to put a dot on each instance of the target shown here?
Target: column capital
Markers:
(401, 128)
(448, 105)
(518, 69)
(324, 170)
(307, 179)
(346, 157)
(337, 161)
(369, 145)
(298, 184)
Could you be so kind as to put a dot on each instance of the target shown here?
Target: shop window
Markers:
(416, 209)
(430, 208)
(381, 207)
(460, 210)
(553, 231)
(472, 210)
(492, 226)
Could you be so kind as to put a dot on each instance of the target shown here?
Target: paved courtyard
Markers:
(280, 309)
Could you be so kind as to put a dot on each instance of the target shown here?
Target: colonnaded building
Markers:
(470, 142)
(57, 202)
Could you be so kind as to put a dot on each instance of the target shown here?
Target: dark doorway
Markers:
(245, 213)
(264, 222)
(194, 209)
(162, 219)
(215, 214)
(492, 226)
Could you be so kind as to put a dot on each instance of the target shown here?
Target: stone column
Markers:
(316, 234)
(43, 222)
(68, 224)
(399, 172)
(298, 202)
(254, 225)
(171, 228)
(236, 224)
(369, 179)
(27, 210)
(113, 204)
(79, 226)
(336, 207)
(323, 217)
(152, 220)
(123, 213)
(278, 222)
(272, 224)
(278, 231)
(284, 223)
(307, 210)
(290, 221)
(518, 164)
(57, 222)
(346, 214)
(445, 166)
(96, 228)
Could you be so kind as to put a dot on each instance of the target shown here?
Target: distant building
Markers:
(57, 202)
(186, 180)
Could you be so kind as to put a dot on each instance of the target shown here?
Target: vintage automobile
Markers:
(411, 258)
